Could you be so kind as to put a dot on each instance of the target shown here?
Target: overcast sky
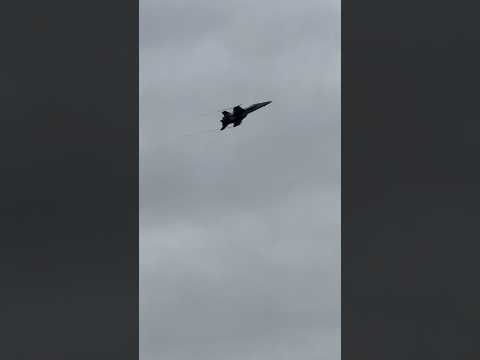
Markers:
(240, 229)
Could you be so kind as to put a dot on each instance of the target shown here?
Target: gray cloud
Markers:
(240, 230)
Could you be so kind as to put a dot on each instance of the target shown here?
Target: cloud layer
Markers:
(240, 230)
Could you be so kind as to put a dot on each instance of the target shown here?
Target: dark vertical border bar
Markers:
(410, 185)
(69, 202)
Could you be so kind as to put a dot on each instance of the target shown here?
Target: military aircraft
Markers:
(239, 114)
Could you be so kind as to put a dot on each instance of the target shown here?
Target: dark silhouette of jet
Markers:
(239, 114)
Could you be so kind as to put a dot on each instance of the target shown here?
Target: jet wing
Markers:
(238, 110)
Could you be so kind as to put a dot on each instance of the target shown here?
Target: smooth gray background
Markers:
(240, 229)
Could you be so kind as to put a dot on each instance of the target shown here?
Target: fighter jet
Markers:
(239, 114)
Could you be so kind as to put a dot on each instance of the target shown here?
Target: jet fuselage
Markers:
(239, 114)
